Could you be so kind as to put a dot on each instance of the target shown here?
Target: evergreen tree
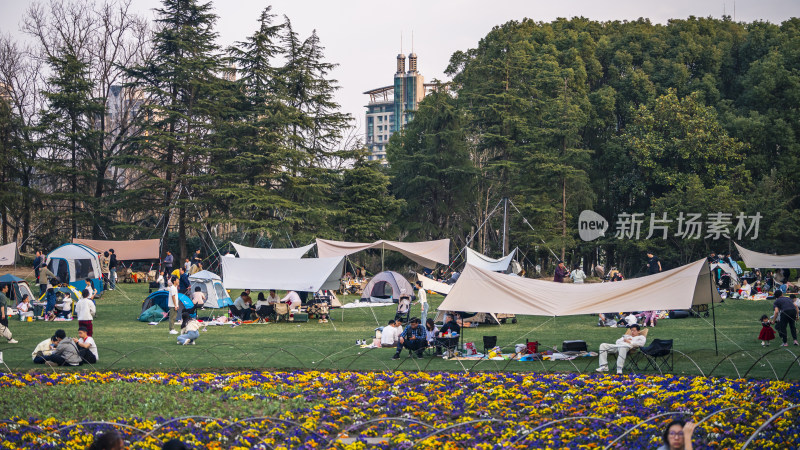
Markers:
(70, 134)
(186, 97)
(431, 170)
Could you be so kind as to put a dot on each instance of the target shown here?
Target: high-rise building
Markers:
(390, 108)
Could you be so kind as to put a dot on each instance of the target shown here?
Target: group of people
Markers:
(416, 338)
(244, 308)
(190, 265)
(60, 350)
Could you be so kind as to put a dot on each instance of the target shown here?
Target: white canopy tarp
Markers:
(125, 250)
(480, 290)
(304, 274)
(484, 262)
(271, 253)
(8, 254)
(427, 253)
(433, 285)
(204, 275)
(755, 260)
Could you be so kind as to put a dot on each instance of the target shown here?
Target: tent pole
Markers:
(713, 314)
(383, 252)
(505, 226)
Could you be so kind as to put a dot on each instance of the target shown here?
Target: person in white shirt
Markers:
(89, 288)
(85, 310)
(422, 296)
(621, 347)
(172, 303)
(86, 346)
(389, 335)
(24, 308)
(293, 298)
(265, 305)
(198, 298)
(64, 306)
(578, 275)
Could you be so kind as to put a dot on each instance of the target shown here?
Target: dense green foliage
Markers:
(629, 119)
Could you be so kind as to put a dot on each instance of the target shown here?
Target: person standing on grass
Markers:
(4, 301)
(172, 304)
(86, 346)
(561, 272)
(187, 265)
(37, 263)
(169, 260)
(423, 301)
(45, 275)
(112, 270)
(786, 313)
(104, 262)
(577, 275)
(85, 310)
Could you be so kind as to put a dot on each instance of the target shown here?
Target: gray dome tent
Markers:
(387, 287)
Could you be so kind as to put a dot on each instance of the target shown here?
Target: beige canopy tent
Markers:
(427, 253)
(125, 250)
(755, 260)
(8, 254)
(433, 285)
(481, 290)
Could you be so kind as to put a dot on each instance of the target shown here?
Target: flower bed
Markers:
(432, 410)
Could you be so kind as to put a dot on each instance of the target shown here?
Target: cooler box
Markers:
(300, 317)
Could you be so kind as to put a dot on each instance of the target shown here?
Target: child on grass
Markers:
(767, 333)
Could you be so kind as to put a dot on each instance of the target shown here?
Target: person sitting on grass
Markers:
(24, 307)
(413, 338)
(189, 330)
(86, 346)
(390, 334)
(243, 306)
(621, 347)
(47, 347)
(66, 354)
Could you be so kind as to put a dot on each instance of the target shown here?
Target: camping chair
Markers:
(489, 342)
(633, 356)
(658, 355)
(281, 312)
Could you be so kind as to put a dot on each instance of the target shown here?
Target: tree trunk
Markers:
(98, 197)
(74, 179)
(182, 231)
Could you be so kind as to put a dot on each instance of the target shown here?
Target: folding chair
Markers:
(281, 311)
(659, 355)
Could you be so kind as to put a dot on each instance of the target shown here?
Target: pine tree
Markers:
(70, 134)
(186, 97)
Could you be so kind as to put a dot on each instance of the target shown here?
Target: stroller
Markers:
(403, 309)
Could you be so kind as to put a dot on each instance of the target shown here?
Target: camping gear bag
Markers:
(532, 347)
(152, 314)
(680, 314)
(573, 346)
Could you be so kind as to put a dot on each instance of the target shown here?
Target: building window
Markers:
(380, 119)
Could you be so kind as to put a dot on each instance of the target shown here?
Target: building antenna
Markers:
(401, 42)
(412, 41)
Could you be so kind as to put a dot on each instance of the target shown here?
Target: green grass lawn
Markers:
(126, 344)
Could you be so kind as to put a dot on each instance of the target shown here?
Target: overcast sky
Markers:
(363, 36)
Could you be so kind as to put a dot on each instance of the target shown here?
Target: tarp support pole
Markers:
(505, 226)
(713, 314)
